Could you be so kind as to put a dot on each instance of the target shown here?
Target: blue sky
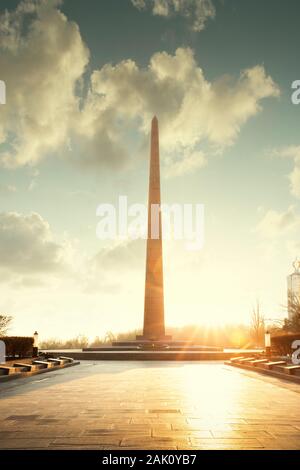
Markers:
(83, 81)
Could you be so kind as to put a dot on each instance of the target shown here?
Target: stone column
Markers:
(154, 322)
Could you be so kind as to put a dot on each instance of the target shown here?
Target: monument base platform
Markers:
(162, 339)
(155, 355)
(146, 345)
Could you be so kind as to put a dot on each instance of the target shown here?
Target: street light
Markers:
(35, 349)
(268, 343)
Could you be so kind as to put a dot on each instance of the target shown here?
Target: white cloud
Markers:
(189, 163)
(31, 255)
(27, 245)
(275, 223)
(122, 255)
(139, 4)
(43, 59)
(7, 189)
(191, 110)
(293, 152)
(195, 11)
(295, 181)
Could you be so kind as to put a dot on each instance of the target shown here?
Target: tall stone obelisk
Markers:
(154, 321)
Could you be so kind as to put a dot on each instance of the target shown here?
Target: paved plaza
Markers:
(150, 405)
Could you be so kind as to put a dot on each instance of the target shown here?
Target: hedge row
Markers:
(283, 343)
(21, 346)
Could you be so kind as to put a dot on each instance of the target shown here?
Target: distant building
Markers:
(293, 284)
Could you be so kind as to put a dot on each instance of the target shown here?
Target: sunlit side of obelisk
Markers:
(154, 321)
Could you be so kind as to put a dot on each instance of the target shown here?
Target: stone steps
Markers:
(37, 366)
(155, 355)
(269, 366)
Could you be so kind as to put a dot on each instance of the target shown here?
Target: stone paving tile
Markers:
(154, 446)
(172, 421)
(215, 446)
(150, 406)
(203, 427)
(50, 433)
(241, 434)
(153, 442)
(282, 430)
(281, 444)
(88, 440)
(159, 427)
(262, 426)
(218, 443)
(83, 447)
(132, 434)
(17, 443)
(278, 422)
(181, 435)
(202, 422)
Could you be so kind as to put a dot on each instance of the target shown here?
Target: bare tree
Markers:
(257, 324)
(293, 323)
(5, 321)
(109, 337)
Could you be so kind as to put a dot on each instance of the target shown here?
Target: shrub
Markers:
(78, 342)
(18, 346)
(282, 344)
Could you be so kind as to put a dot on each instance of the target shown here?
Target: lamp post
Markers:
(35, 349)
(268, 343)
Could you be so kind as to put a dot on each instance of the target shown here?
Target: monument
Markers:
(154, 318)
(147, 346)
